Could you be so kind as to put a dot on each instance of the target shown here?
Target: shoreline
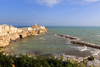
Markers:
(96, 55)
(88, 61)
(65, 57)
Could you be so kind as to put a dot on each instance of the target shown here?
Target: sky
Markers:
(50, 12)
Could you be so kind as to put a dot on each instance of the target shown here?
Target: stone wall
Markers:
(10, 33)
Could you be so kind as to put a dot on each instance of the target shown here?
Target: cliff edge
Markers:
(10, 33)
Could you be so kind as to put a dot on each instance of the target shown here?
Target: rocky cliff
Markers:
(10, 33)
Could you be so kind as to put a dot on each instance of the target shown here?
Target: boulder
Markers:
(14, 36)
(31, 33)
(41, 32)
(36, 26)
(4, 40)
(3, 29)
(29, 28)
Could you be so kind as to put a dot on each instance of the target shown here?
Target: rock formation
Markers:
(10, 33)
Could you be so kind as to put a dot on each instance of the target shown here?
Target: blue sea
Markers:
(49, 43)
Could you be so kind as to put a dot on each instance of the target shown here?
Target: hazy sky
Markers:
(50, 12)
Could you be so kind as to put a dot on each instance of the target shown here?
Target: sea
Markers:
(49, 43)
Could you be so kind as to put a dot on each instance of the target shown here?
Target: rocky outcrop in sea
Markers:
(10, 33)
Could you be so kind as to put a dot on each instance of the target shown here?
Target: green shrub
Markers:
(90, 58)
(25, 61)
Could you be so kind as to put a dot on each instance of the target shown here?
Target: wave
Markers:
(98, 35)
(56, 35)
(68, 41)
(77, 38)
(42, 38)
(84, 48)
(81, 48)
(96, 52)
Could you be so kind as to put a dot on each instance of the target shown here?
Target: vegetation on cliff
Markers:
(26, 61)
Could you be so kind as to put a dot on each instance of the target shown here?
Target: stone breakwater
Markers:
(85, 44)
(67, 36)
(10, 33)
(74, 40)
